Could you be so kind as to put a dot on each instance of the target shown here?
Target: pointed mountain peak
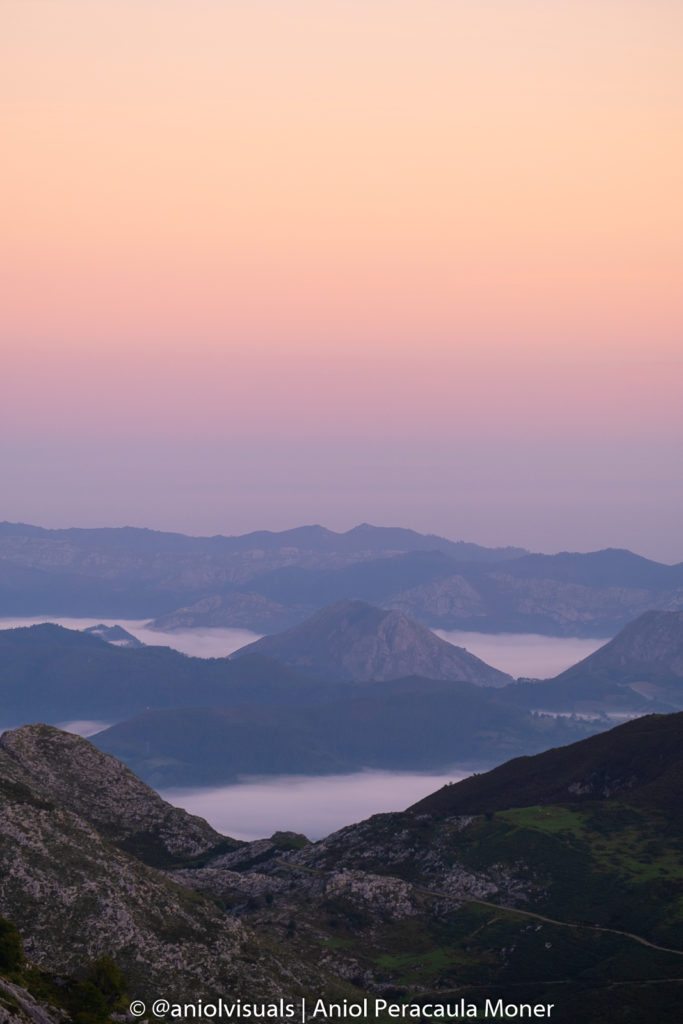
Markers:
(357, 641)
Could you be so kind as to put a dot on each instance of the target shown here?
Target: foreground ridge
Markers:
(445, 904)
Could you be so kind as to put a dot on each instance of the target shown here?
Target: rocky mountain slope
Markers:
(652, 645)
(639, 671)
(72, 879)
(481, 896)
(108, 795)
(356, 641)
(544, 879)
(639, 763)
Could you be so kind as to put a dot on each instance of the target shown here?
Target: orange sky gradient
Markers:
(264, 220)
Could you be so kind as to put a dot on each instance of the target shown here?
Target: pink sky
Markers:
(354, 231)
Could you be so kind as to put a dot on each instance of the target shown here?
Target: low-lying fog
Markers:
(201, 643)
(520, 654)
(524, 654)
(261, 805)
(316, 806)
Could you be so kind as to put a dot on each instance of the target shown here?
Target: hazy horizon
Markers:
(406, 263)
(533, 502)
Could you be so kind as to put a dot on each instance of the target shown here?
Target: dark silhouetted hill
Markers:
(639, 762)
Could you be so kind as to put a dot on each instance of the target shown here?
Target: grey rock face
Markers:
(103, 792)
(356, 641)
(74, 896)
(237, 610)
(17, 1006)
(654, 642)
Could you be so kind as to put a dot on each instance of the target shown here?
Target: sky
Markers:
(273, 262)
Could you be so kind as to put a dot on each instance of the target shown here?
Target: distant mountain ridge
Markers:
(269, 581)
(411, 723)
(364, 537)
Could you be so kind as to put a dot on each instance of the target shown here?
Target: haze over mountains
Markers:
(271, 581)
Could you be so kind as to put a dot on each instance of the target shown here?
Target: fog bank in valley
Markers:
(201, 643)
(525, 654)
(259, 805)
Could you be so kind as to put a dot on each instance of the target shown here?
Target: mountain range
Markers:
(271, 581)
(410, 723)
(553, 882)
(190, 721)
(350, 692)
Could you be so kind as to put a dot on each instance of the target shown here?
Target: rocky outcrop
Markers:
(17, 1006)
(419, 853)
(573, 608)
(445, 600)
(103, 792)
(74, 896)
